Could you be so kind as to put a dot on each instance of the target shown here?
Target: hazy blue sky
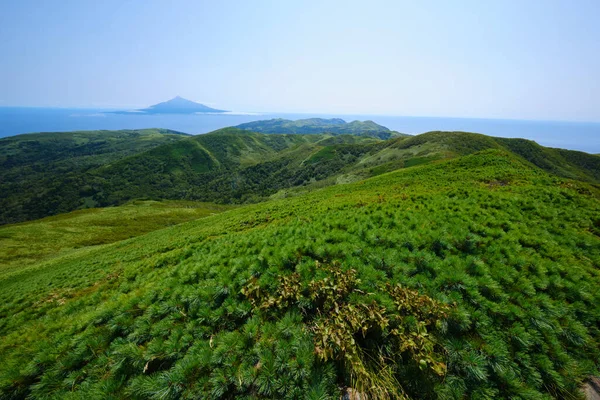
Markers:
(513, 59)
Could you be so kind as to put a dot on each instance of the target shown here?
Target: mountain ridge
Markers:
(239, 166)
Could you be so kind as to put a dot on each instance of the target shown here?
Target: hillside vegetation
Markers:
(470, 277)
(334, 126)
(40, 173)
(228, 166)
(27, 244)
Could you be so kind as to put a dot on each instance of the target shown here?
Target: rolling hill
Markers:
(84, 149)
(236, 166)
(48, 167)
(334, 126)
(471, 276)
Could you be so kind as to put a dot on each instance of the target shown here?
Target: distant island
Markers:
(335, 126)
(177, 105)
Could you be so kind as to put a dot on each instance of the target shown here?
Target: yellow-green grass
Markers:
(25, 244)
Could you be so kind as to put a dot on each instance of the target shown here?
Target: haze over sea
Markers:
(583, 136)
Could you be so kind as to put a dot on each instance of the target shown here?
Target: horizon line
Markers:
(316, 113)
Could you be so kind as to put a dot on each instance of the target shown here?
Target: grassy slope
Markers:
(82, 148)
(204, 167)
(228, 149)
(334, 126)
(30, 243)
(565, 163)
(232, 161)
(235, 166)
(40, 173)
(161, 316)
(436, 146)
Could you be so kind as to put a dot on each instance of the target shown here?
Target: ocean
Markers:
(583, 136)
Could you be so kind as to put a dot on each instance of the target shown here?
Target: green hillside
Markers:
(561, 162)
(80, 149)
(30, 243)
(238, 166)
(471, 277)
(229, 165)
(334, 126)
(48, 167)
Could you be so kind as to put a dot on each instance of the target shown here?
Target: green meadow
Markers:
(29, 243)
(471, 277)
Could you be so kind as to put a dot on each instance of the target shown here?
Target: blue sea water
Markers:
(584, 136)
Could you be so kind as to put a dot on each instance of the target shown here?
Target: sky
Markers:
(533, 59)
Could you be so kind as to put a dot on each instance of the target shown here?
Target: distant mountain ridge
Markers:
(334, 126)
(177, 105)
